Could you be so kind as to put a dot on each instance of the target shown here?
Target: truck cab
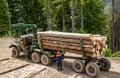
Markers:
(24, 37)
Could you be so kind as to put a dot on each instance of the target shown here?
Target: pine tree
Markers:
(95, 21)
(4, 21)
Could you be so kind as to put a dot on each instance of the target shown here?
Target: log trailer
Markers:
(31, 45)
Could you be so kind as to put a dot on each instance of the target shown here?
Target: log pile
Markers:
(100, 43)
(93, 45)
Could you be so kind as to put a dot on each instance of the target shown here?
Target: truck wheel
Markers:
(15, 52)
(92, 69)
(104, 64)
(45, 59)
(78, 66)
(36, 57)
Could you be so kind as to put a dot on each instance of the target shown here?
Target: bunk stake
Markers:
(41, 47)
(61, 43)
(82, 49)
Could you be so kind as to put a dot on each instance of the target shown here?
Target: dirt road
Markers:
(32, 70)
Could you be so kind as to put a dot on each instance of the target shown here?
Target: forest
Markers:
(77, 16)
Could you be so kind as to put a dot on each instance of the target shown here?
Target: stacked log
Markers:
(71, 42)
(101, 41)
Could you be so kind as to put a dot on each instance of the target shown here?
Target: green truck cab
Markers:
(25, 40)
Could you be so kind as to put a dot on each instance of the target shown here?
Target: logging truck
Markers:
(42, 47)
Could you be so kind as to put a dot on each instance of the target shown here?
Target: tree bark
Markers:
(66, 35)
(8, 12)
(72, 13)
(49, 15)
(112, 27)
(89, 54)
(64, 40)
(63, 18)
(82, 16)
(88, 49)
(68, 44)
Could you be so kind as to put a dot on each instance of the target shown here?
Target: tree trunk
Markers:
(67, 35)
(72, 13)
(49, 15)
(8, 12)
(82, 16)
(112, 27)
(63, 19)
(35, 15)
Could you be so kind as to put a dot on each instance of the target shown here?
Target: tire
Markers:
(36, 57)
(15, 52)
(92, 69)
(45, 60)
(104, 63)
(78, 66)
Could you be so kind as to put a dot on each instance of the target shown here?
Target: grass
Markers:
(116, 54)
(5, 35)
(107, 53)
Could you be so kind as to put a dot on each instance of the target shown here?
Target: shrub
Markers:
(107, 52)
(117, 54)
(80, 31)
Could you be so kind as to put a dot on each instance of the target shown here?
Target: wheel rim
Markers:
(77, 66)
(45, 59)
(14, 52)
(35, 57)
(91, 69)
(104, 64)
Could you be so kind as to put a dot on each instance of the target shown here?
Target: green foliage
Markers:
(95, 18)
(117, 54)
(47, 14)
(4, 24)
(80, 31)
(5, 34)
(107, 53)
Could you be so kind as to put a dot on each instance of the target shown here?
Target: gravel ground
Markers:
(50, 71)
(23, 72)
